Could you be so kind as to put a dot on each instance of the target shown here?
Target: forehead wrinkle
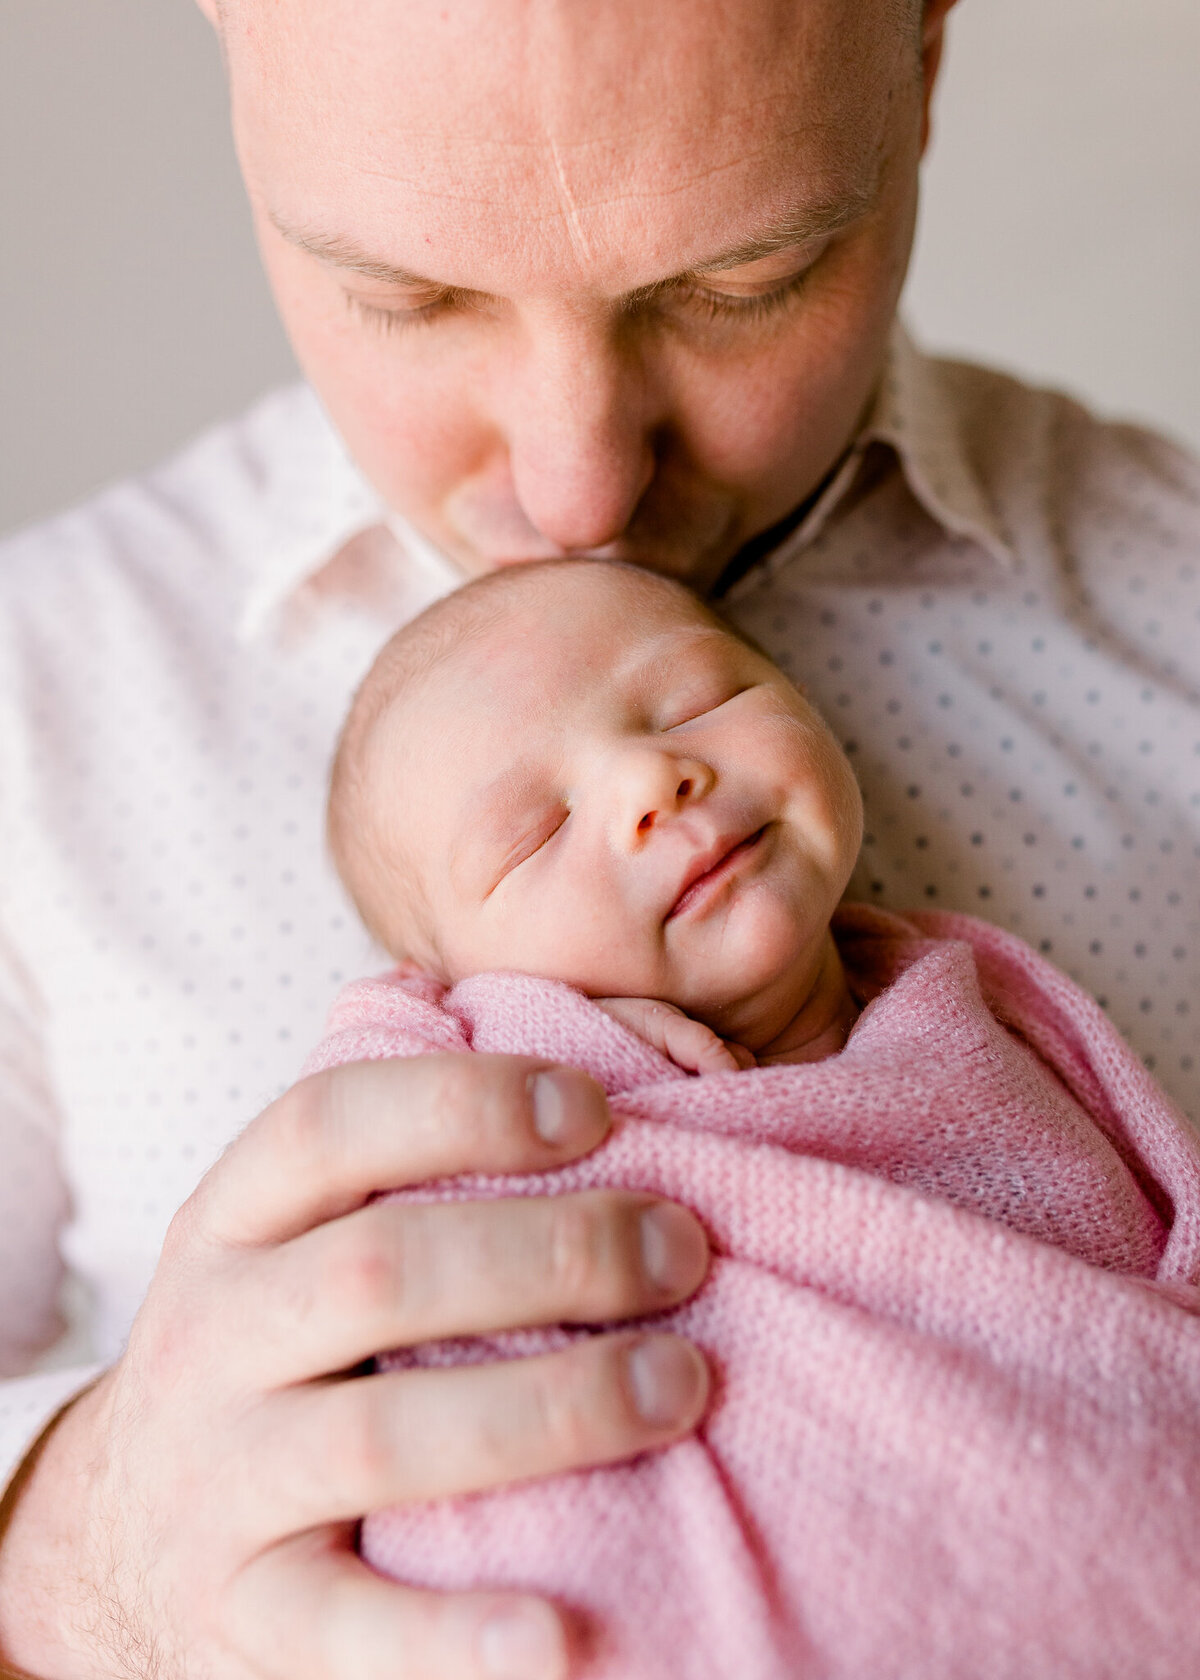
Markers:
(503, 164)
(634, 140)
(683, 180)
(796, 227)
(570, 210)
(534, 48)
(747, 115)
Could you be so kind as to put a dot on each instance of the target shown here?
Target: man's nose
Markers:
(653, 787)
(579, 425)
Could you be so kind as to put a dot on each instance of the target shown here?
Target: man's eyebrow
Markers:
(344, 253)
(799, 226)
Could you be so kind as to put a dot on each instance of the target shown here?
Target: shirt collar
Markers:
(319, 502)
(920, 410)
(314, 501)
(917, 413)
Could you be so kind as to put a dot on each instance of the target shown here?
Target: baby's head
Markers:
(574, 769)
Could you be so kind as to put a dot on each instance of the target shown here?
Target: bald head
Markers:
(548, 123)
(587, 278)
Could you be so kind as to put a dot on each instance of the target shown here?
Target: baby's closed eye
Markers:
(689, 1044)
(528, 841)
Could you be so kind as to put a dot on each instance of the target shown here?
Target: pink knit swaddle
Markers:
(952, 1318)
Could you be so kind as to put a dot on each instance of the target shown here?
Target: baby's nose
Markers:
(658, 787)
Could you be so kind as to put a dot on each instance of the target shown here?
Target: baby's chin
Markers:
(748, 970)
(756, 1000)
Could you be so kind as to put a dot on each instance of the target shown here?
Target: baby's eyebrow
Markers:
(648, 658)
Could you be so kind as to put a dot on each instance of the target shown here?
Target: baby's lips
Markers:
(710, 862)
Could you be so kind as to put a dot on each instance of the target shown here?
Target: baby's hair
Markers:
(365, 857)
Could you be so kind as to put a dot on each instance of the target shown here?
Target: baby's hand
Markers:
(690, 1044)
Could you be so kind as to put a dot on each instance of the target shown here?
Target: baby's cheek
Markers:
(475, 938)
(560, 931)
(592, 946)
(845, 808)
(825, 801)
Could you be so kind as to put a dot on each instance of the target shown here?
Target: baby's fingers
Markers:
(713, 1055)
(690, 1044)
(742, 1057)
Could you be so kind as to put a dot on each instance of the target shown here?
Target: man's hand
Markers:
(192, 1517)
(689, 1044)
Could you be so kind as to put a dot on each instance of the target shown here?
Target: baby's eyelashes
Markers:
(690, 1044)
(528, 843)
(689, 710)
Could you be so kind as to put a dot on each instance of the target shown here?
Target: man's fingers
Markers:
(331, 1452)
(310, 1610)
(326, 1144)
(397, 1273)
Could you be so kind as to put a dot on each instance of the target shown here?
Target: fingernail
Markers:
(668, 1380)
(523, 1642)
(570, 1111)
(674, 1248)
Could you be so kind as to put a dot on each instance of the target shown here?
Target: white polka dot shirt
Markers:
(996, 604)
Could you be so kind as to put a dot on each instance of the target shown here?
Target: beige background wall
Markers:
(1060, 236)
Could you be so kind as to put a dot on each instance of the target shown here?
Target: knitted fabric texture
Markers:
(953, 1321)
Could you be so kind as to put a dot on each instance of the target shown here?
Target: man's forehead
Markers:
(530, 130)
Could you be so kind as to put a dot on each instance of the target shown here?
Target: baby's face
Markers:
(611, 791)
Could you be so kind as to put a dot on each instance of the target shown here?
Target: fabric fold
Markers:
(952, 1317)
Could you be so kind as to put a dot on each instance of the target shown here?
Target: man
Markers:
(569, 278)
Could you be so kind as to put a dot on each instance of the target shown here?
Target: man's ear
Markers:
(933, 38)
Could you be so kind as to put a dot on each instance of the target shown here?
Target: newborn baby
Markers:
(592, 824)
(575, 770)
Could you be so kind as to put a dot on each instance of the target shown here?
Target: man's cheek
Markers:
(747, 422)
(406, 431)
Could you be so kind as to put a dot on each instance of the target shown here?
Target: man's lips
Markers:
(708, 869)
